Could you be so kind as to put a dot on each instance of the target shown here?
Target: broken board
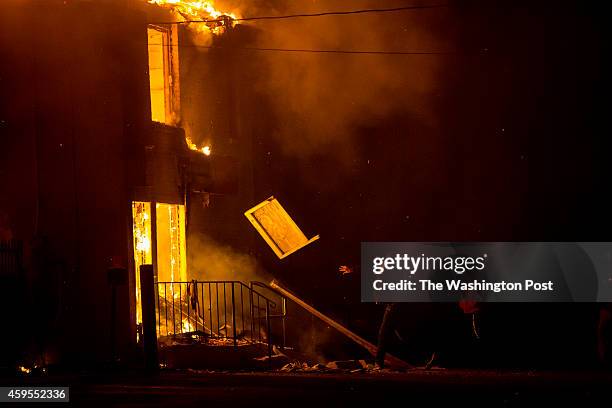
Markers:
(277, 228)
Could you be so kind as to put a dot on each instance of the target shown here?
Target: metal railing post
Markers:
(234, 315)
(252, 316)
(283, 321)
(180, 307)
(173, 314)
(166, 306)
(158, 317)
(269, 328)
(218, 315)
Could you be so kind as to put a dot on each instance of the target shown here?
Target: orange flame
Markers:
(187, 326)
(207, 150)
(200, 10)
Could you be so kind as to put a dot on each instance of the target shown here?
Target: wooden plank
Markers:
(277, 228)
(371, 348)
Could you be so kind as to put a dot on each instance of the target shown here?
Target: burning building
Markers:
(121, 132)
(129, 131)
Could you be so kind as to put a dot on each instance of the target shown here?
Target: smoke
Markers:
(210, 260)
(321, 100)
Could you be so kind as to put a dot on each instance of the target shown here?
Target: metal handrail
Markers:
(282, 315)
(272, 303)
(200, 303)
(271, 289)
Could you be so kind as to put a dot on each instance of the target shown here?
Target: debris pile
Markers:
(340, 366)
(199, 337)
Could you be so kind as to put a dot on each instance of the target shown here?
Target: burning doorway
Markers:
(159, 239)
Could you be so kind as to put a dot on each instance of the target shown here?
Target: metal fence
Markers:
(229, 312)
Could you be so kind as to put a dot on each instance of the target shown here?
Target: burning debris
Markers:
(340, 366)
(289, 361)
(206, 150)
(200, 337)
(210, 19)
(31, 370)
(24, 370)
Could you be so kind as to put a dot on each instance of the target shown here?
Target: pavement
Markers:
(253, 389)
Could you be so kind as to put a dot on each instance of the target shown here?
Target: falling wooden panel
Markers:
(277, 228)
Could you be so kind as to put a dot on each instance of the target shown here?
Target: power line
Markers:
(311, 51)
(314, 51)
(322, 14)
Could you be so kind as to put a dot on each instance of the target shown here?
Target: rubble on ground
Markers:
(340, 366)
(199, 337)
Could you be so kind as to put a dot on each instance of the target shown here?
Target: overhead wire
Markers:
(321, 14)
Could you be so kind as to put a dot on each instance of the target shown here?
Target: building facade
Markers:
(119, 137)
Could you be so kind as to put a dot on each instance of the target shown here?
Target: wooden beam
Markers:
(371, 348)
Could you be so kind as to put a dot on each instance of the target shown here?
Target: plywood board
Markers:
(277, 228)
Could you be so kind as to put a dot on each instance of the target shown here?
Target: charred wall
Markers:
(220, 106)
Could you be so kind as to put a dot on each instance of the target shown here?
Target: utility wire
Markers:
(322, 14)
(371, 52)
(313, 51)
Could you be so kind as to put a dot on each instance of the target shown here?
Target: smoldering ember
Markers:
(185, 187)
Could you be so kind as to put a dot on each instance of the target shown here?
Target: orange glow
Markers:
(163, 74)
(171, 249)
(171, 262)
(141, 225)
(207, 150)
(157, 75)
(199, 10)
(25, 370)
(187, 326)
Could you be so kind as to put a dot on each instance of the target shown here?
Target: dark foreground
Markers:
(457, 387)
